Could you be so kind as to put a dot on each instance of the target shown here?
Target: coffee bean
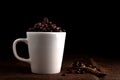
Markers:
(78, 72)
(44, 29)
(53, 26)
(89, 66)
(76, 63)
(83, 65)
(50, 22)
(37, 25)
(50, 27)
(79, 67)
(42, 25)
(46, 20)
(58, 28)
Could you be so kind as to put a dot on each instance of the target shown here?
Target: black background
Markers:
(91, 28)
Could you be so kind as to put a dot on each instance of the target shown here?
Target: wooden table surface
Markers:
(12, 69)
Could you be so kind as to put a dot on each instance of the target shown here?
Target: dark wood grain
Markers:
(12, 69)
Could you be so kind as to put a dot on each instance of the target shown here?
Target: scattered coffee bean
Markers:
(76, 63)
(80, 67)
(78, 72)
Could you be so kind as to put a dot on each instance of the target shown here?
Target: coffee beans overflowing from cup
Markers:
(46, 26)
(79, 67)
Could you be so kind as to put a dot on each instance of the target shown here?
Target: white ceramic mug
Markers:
(45, 51)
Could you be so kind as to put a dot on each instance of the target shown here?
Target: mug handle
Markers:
(15, 51)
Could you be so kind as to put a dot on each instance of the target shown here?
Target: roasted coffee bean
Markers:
(89, 66)
(46, 20)
(78, 72)
(44, 29)
(79, 67)
(82, 71)
(50, 23)
(82, 65)
(37, 25)
(53, 26)
(76, 63)
(50, 27)
(42, 25)
(58, 28)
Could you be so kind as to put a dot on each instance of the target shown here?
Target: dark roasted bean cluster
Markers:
(46, 26)
(79, 67)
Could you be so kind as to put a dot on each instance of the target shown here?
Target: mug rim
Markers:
(46, 32)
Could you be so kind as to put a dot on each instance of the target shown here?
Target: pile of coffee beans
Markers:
(46, 26)
(79, 67)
